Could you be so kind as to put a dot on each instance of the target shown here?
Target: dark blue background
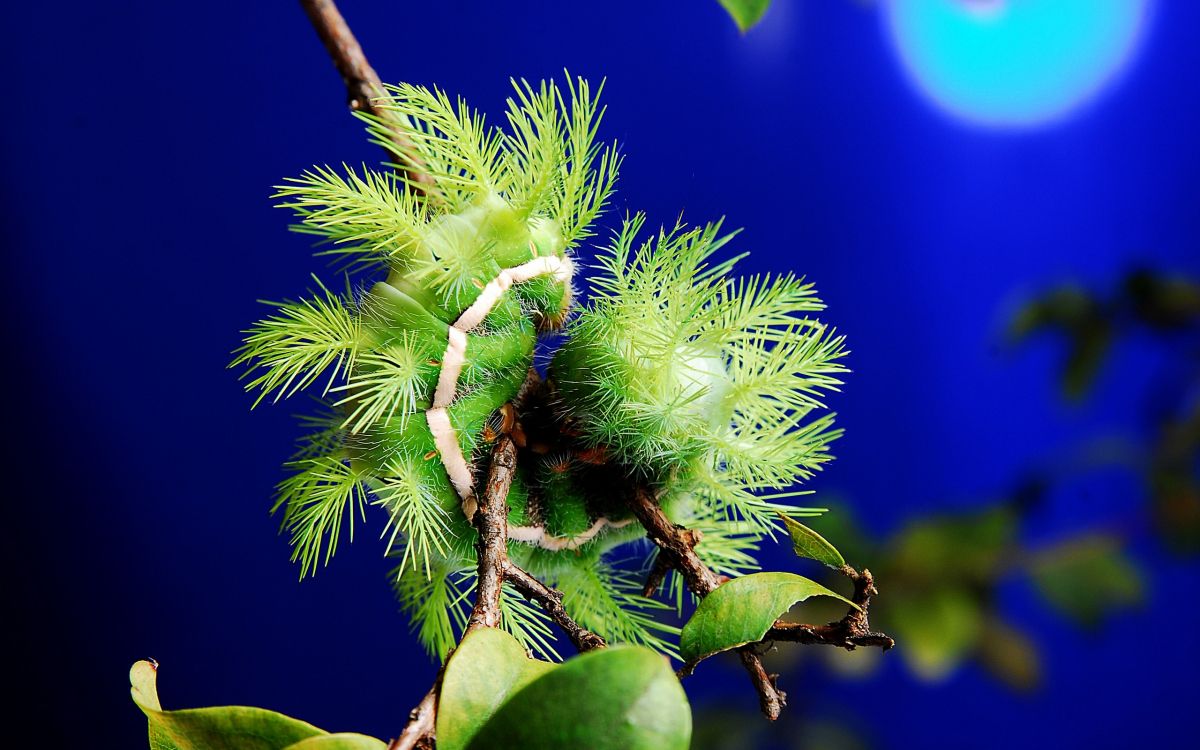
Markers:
(139, 144)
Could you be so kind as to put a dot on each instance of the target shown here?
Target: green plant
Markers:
(683, 406)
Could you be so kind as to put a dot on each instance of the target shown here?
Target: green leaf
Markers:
(746, 13)
(810, 544)
(229, 727)
(743, 610)
(614, 698)
(486, 669)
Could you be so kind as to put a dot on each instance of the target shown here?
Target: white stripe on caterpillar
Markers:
(444, 437)
(446, 442)
(452, 364)
(537, 535)
(483, 304)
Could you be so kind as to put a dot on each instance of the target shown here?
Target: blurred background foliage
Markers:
(942, 571)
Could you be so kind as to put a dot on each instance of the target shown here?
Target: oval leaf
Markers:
(741, 611)
(225, 727)
(484, 670)
(810, 544)
(610, 699)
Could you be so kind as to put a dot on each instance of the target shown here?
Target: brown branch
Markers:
(550, 601)
(420, 732)
(491, 520)
(850, 632)
(364, 87)
(494, 566)
(677, 550)
(771, 699)
(675, 543)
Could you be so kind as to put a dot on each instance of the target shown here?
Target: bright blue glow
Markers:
(1014, 62)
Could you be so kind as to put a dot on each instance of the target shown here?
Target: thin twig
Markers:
(550, 601)
(494, 566)
(770, 698)
(364, 87)
(850, 632)
(675, 543)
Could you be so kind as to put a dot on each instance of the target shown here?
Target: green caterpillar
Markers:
(675, 375)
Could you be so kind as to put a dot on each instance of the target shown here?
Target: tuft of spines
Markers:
(418, 525)
(368, 216)
(322, 495)
(292, 348)
(387, 382)
(699, 381)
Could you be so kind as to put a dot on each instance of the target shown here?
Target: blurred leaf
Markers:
(1068, 307)
(1082, 318)
(1086, 579)
(746, 13)
(938, 629)
(966, 547)
(1009, 656)
(609, 699)
(810, 544)
(1163, 300)
(1085, 354)
(741, 611)
(229, 727)
(488, 667)
(1175, 482)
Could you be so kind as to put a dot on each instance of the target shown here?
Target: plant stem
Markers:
(850, 632)
(491, 520)
(364, 87)
(420, 732)
(550, 601)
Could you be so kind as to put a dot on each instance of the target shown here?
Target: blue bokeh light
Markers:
(1015, 62)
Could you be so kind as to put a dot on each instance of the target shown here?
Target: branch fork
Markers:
(676, 546)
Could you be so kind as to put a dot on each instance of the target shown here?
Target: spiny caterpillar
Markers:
(675, 376)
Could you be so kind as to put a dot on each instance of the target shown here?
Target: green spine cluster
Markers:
(705, 387)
